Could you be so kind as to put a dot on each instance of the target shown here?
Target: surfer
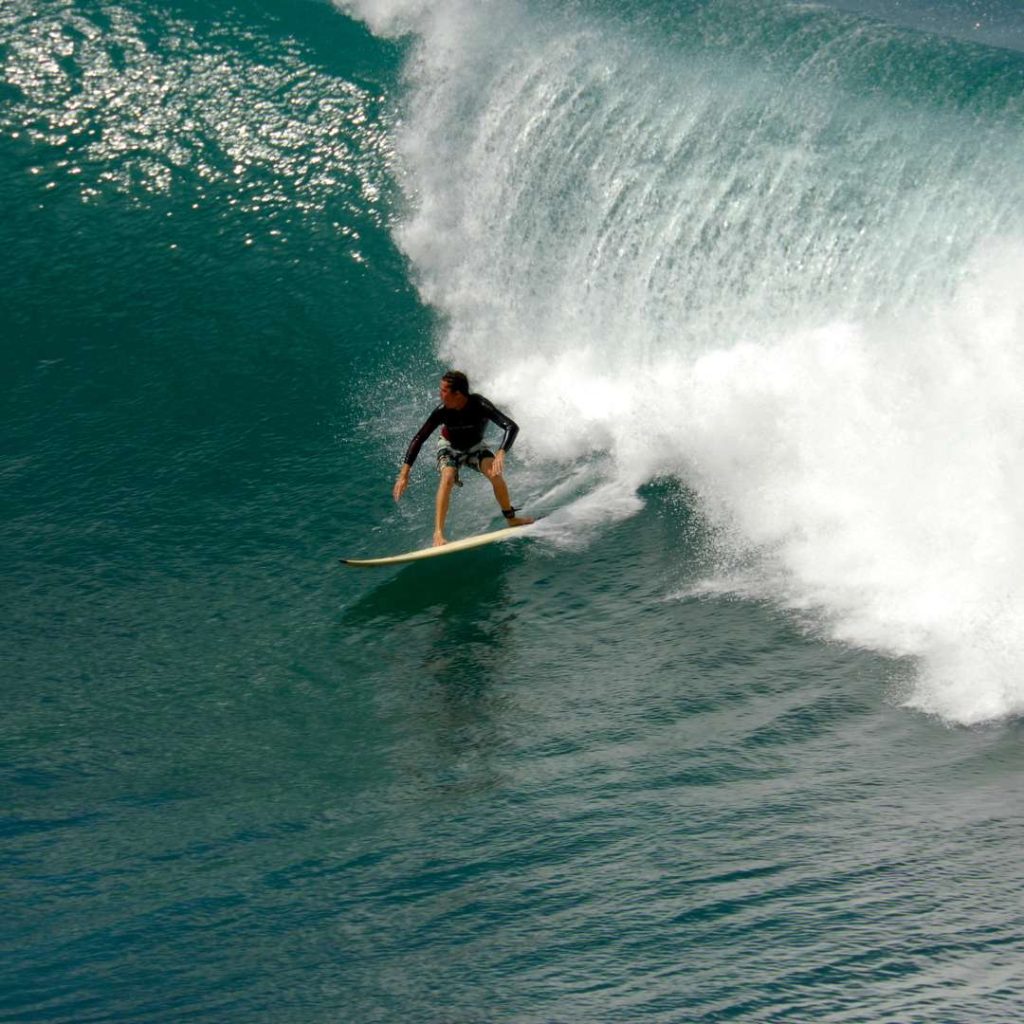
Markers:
(462, 417)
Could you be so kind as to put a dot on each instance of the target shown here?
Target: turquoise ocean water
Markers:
(736, 735)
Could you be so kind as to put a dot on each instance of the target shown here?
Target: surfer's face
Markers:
(450, 399)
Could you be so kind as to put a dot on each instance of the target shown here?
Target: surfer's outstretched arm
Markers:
(401, 482)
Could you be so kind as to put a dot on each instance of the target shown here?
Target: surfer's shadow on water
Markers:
(454, 618)
(468, 584)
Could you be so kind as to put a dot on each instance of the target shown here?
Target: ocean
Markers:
(735, 734)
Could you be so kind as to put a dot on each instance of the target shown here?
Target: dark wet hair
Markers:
(457, 381)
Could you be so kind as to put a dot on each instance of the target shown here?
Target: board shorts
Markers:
(449, 457)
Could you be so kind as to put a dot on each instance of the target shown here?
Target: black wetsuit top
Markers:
(463, 428)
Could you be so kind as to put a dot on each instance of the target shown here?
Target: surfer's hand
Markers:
(401, 482)
(497, 464)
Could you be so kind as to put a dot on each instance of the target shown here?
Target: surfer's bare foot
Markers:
(518, 521)
(439, 540)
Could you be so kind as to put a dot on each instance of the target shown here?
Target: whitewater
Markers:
(737, 266)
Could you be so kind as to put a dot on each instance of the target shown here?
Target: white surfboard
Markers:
(445, 549)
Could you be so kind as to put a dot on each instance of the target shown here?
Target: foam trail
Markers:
(802, 300)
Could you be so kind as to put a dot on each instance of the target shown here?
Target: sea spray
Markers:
(876, 475)
(799, 298)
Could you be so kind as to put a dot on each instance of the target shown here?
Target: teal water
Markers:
(736, 735)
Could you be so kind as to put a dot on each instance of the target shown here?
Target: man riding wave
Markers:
(463, 418)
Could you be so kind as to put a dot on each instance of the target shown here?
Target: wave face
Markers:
(775, 251)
